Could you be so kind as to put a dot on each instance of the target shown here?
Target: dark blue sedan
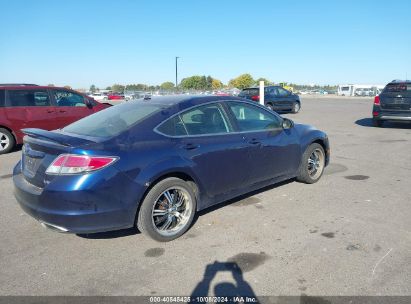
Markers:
(154, 163)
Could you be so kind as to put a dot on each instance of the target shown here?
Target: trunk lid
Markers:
(41, 148)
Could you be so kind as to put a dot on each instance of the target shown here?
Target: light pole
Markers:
(176, 72)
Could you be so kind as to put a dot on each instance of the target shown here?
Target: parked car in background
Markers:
(275, 97)
(98, 96)
(393, 103)
(155, 164)
(32, 106)
(116, 96)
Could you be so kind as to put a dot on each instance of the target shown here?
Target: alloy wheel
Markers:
(4, 141)
(316, 163)
(171, 211)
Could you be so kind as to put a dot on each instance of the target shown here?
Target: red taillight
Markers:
(377, 100)
(72, 163)
(375, 113)
(255, 98)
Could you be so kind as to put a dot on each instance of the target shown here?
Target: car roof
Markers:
(398, 81)
(270, 86)
(30, 86)
(186, 100)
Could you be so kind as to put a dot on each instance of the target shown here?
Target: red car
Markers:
(115, 96)
(31, 106)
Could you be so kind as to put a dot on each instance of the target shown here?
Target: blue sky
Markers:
(79, 43)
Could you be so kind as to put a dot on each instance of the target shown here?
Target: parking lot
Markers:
(348, 234)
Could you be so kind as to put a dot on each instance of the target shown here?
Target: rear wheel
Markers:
(296, 107)
(7, 141)
(167, 210)
(377, 123)
(312, 164)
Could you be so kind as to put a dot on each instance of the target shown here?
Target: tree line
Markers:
(205, 83)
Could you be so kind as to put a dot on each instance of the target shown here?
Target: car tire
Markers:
(312, 164)
(377, 123)
(296, 107)
(270, 106)
(163, 216)
(7, 141)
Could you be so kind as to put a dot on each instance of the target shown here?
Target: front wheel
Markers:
(312, 164)
(167, 210)
(7, 141)
(296, 107)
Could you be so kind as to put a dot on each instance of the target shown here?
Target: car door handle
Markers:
(62, 111)
(254, 141)
(50, 111)
(190, 146)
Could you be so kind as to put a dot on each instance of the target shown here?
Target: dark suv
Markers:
(394, 103)
(275, 97)
(31, 106)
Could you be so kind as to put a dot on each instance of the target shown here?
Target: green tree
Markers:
(193, 83)
(167, 86)
(93, 88)
(266, 81)
(241, 82)
(117, 88)
(216, 84)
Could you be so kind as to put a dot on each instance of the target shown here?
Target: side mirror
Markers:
(287, 123)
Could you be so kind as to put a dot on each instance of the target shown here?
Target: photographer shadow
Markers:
(240, 288)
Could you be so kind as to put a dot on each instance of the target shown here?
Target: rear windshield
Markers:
(398, 88)
(250, 92)
(112, 121)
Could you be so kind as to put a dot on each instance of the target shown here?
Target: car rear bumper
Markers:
(75, 211)
(379, 114)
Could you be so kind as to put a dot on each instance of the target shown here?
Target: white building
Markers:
(359, 89)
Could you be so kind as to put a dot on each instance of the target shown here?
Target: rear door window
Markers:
(173, 127)
(28, 98)
(204, 120)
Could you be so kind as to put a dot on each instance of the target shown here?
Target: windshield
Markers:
(112, 121)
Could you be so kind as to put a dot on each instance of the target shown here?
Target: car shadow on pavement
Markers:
(110, 234)
(134, 231)
(240, 288)
(367, 122)
(240, 198)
